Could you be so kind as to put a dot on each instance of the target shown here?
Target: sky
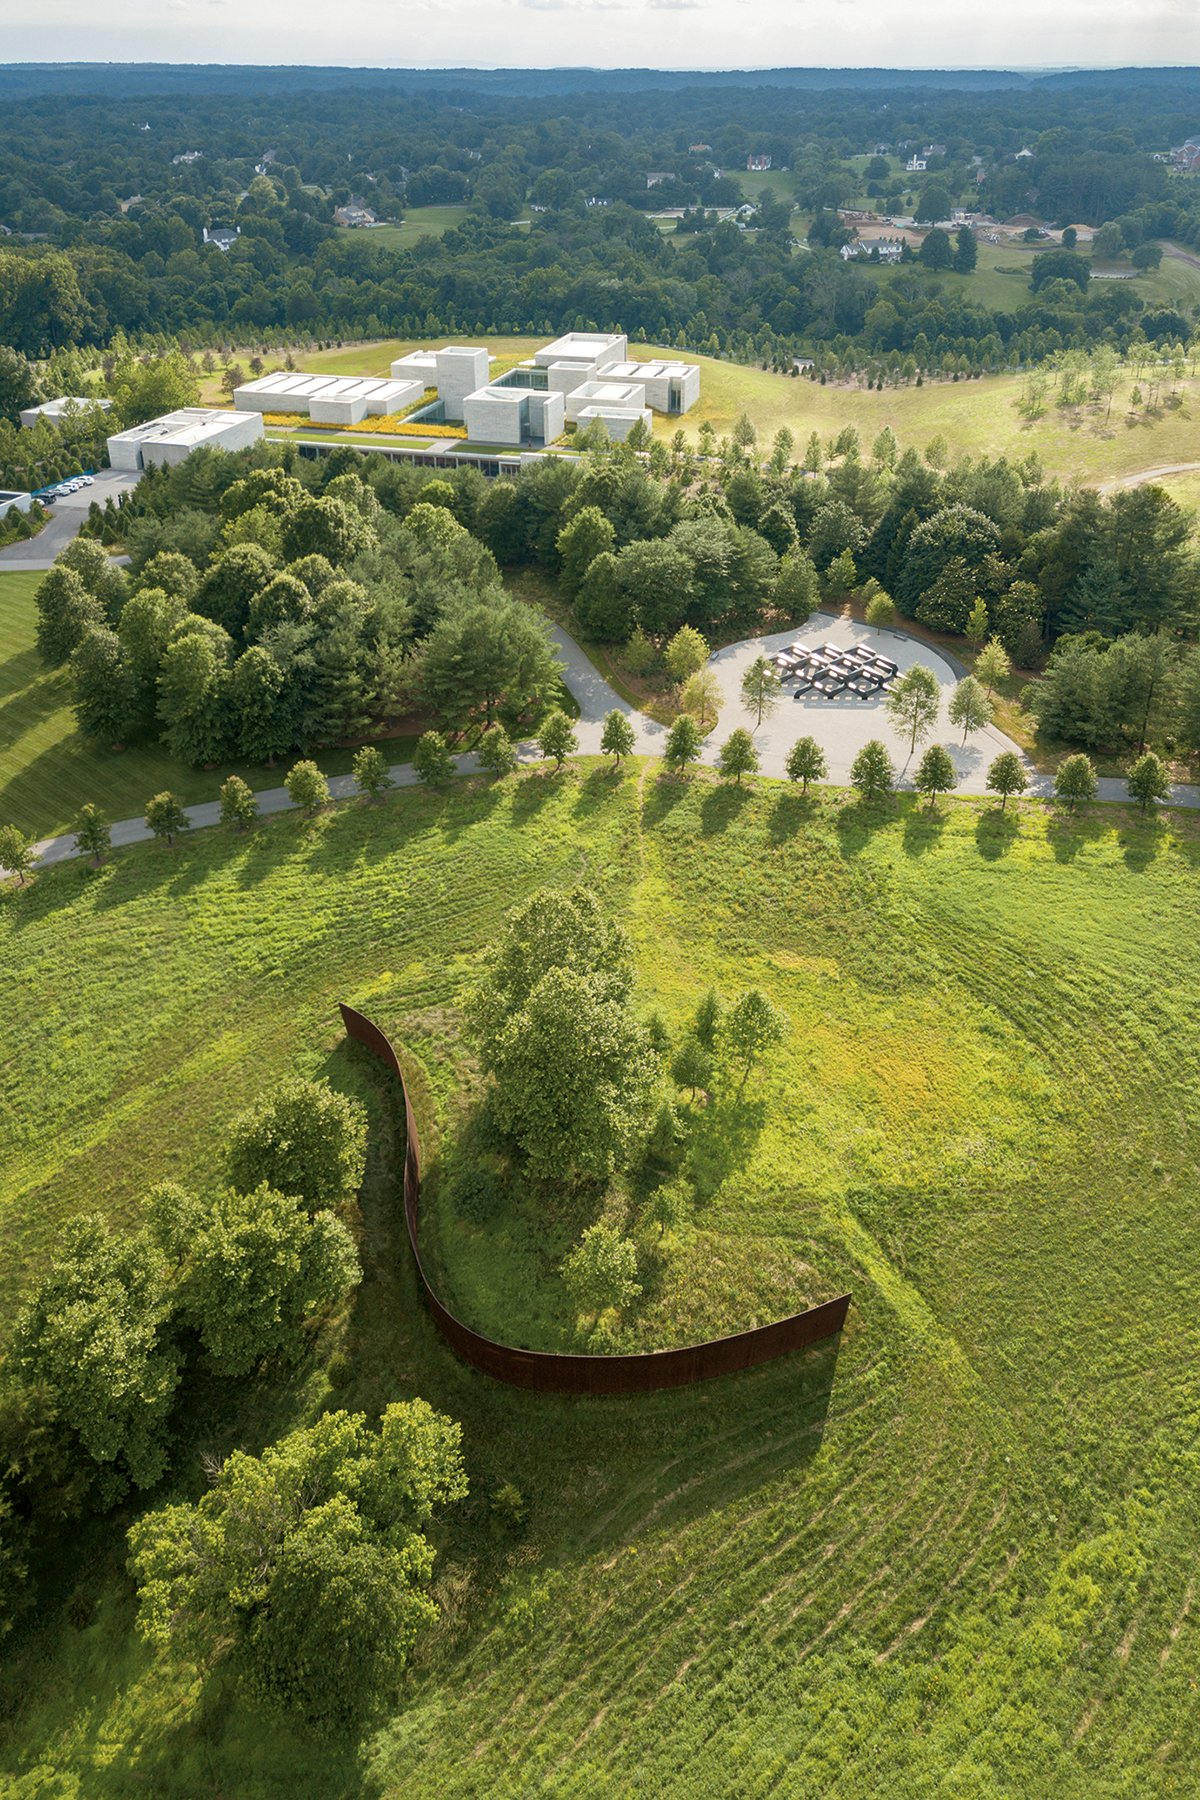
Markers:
(669, 34)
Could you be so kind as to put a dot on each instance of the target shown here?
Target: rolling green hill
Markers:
(952, 1554)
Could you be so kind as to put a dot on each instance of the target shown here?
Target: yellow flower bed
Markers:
(390, 425)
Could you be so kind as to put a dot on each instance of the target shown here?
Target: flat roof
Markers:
(646, 371)
(65, 400)
(611, 393)
(190, 425)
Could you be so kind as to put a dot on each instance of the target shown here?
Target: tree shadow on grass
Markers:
(790, 814)
(1069, 833)
(599, 788)
(661, 795)
(723, 806)
(1146, 841)
(723, 1137)
(996, 831)
(858, 820)
(923, 829)
(534, 789)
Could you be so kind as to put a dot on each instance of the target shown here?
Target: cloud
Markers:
(675, 5)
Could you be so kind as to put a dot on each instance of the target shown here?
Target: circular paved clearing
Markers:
(843, 724)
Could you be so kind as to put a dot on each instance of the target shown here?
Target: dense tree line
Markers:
(108, 226)
(276, 604)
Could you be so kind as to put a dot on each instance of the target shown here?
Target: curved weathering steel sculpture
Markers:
(552, 1372)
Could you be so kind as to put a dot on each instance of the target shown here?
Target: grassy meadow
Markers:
(951, 1554)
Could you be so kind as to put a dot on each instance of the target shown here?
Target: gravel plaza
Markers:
(842, 723)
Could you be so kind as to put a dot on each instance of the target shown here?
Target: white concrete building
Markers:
(53, 411)
(599, 348)
(618, 421)
(328, 399)
(11, 501)
(626, 396)
(461, 369)
(513, 414)
(670, 387)
(174, 436)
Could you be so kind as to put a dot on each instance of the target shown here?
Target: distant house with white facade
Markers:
(185, 156)
(354, 213)
(757, 165)
(915, 165)
(656, 177)
(889, 250)
(223, 236)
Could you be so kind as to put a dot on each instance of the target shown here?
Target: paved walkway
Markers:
(841, 727)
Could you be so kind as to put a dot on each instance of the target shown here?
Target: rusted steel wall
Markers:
(553, 1373)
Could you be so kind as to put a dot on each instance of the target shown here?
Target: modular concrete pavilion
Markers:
(327, 399)
(174, 436)
(596, 349)
(588, 369)
(513, 412)
(670, 387)
(54, 411)
(11, 501)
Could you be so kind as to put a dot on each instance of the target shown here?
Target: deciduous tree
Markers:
(601, 1271)
(1006, 776)
(618, 737)
(556, 736)
(682, 747)
(16, 852)
(738, 756)
(306, 1567)
(935, 773)
(497, 753)
(1075, 781)
(806, 762)
(239, 803)
(306, 787)
(93, 833)
(913, 703)
(165, 816)
(1149, 780)
(753, 1025)
(370, 771)
(302, 1138)
(872, 773)
(970, 707)
(432, 761)
(761, 690)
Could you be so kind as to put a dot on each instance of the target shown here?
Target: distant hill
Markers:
(110, 79)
